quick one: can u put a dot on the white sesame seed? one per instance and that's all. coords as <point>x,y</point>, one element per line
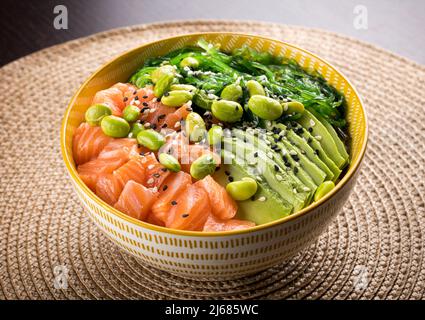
<point>293,153</point>
<point>312,123</point>
<point>279,177</point>
<point>147,125</point>
<point>306,189</point>
<point>259,178</point>
<point>284,152</point>
<point>177,125</point>
<point>151,166</point>
<point>189,103</point>
<point>285,107</point>
<point>318,137</point>
<point>294,190</point>
<point>154,189</point>
<point>262,199</point>
<point>270,154</point>
<point>137,102</point>
<point>152,110</point>
<point>150,181</point>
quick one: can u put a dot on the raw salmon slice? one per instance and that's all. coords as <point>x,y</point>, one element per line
<point>177,116</point>
<point>113,98</point>
<point>173,187</point>
<point>191,210</point>
<point>116,153</point>
<point>193,152</point>
<point>222,204</point>
<point>136,200</point>
<point>88,142</point>
<point>213,224</point>
<point>155,112</point>
<point>110,186</point>
<point>155,173</point>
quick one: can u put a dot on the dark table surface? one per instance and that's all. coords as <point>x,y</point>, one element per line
<point>27,26</point>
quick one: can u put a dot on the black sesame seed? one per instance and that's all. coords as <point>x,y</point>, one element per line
<point>185,215</point>
<point>316,152</point>
<point>153,126</point>
<point>158,99</point>
<point>173,203</point>
<point>145,104</point>
<point>227,173</point>
<point>164,169</point>
<point>309,140</point>
<point>295,157</point>
<point>161,116</point>
<point>156,175</point>
<point>166,94</point>
<point>135,92</point>
<point>276,167</point>
<point>125,99</point>
<point>295,170</point>
<point>136,98</point>
<point>165,187</point>
<point>230,178</point>
<point>145,97</point>
<point>164,125</point>
<point>255,154</point>
<point>310,129</point>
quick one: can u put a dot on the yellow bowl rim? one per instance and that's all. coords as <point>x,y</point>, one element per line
<point>75,177</point>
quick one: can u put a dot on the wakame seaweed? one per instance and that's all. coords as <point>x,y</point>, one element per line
<point>281,78</point>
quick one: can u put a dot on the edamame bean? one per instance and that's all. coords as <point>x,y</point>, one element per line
<point>115,127</point>
<point>215,134</point>
<point>135,129</point>
<point>163,84</point>
<point>176,98</point>
<point>195,127</point>
<point>255,88</point>
<point>243,189</point>
<point>293,107</point>
<point>96,113</point>
<point>264,107</point>
<point>323,189</point>
<point>150,139</point>
<point>160,71</point>
<point>232,92</point>
<point>202,166</point>
<point>185,87</point>
<point>131,113</point>
<point>190,62</point>
<point>227,111</point>
<point>169,162</point>
<point>201,100</point>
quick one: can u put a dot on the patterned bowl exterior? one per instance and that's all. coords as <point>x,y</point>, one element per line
<point>223,254</point>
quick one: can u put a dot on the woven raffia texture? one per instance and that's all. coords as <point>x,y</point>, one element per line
<point>374,249</point>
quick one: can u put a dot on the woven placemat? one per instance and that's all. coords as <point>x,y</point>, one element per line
<point>374,249</point>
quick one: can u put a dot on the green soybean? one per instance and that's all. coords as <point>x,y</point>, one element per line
<point>293,107</point>
<point>255,88</point>
<point>169,162</point>
<point>160,71</point>
<point>135,129</point>
<point>202,167</point>
<point>190,62</point>
<point>227,111</point>
<point>232,92</point>
<point>323,189</point>
<point>201,100</point>
<point>131,113</point>
<point>163,84</point>
<point>265,107</point>
<point>176,98</point>
<point>243,189</point>
<point>215,134</point>
<point>96,113</point>
<point>150,139</point>
<point>185,87</point>
<point>195,127</point>
<point>114,126</point>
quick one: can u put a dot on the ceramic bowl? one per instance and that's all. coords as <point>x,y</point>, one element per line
<point>221,254</point>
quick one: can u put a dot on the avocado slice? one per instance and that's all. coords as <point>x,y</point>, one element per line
<point>340,145</point>
<point>288,187</point>
<point>298,143</point>
<point>255,209</point>
<point>300,173</point>
<point>319,131</point>
<point>317,147</point>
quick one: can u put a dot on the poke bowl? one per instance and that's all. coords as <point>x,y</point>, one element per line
<point>214,155</point>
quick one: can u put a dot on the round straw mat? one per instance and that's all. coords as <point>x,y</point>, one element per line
<point>374,249</point>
